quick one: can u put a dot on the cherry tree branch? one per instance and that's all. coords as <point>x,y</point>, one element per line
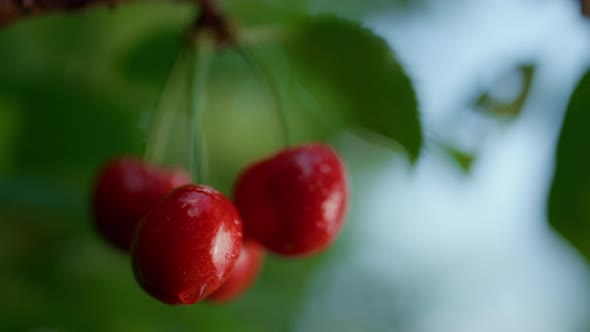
<point>12,11</point>
<point>586,7</point>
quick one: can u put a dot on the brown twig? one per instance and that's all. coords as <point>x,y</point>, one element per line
<point>210,17</point>
<point>586,7</point>
<point>12,11</point>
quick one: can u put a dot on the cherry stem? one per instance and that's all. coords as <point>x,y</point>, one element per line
<point>164,116</point>
<point>199,69</point>
<point>211,18</point>
<point>266,78</point>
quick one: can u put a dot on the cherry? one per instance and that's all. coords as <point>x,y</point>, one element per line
<point>244,274</point>
<point>294,202</point>
<point>126,189</point>
<point>187,245</point>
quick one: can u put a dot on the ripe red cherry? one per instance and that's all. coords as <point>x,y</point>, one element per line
<point>244,274</point>
<point>126,189</point>
<point>187,245</point>
<point>294,202</point>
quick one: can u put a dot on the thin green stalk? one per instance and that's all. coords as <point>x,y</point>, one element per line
<point>265,77</point>
<point>164,115</point>
<point>199,69</point>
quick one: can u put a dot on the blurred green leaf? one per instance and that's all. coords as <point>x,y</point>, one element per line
<point>151,59</point>
<point>463,159</point>
<point>511,108</point>
<point>69,126</point>
<point>569,198</point>
<point>363,82</point>
<point>279,11</point>
<point>10,130</point>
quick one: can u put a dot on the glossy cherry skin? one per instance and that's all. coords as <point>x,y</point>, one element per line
<point>244,274</point>
<point>294,203</point>
<point>187,245</point>
<point>126,189</point>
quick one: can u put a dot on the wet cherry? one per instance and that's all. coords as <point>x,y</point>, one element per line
<point>126,189</point>
<point>244,274</point>
<point>187,245</point>
<point>294,202</point>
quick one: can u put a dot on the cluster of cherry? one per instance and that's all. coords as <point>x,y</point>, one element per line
<point>189,242</point>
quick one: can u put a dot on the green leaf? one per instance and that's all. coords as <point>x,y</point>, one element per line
<point>569,198</point>
<point>282,11</point>
<point>509,109</point>
<point>463,159</point>
<point>354,76</point>
<point>68,125</point>
<point>151,59</point>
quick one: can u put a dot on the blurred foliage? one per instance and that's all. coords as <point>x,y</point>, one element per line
<point>508,108</point>
<point>366,80</point>
<point>75,91</point>
<point>569,198</point>
<point>463,159</point>
<point>264,11</point>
